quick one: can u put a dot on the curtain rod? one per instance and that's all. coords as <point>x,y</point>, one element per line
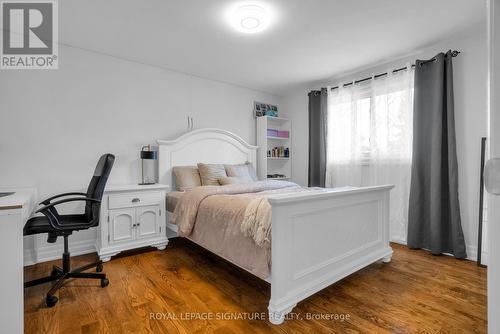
<point>453,54</point>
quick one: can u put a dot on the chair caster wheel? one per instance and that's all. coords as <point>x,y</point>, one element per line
<point>98,268</point>
<point>104,282</point>
<point>51,300</point>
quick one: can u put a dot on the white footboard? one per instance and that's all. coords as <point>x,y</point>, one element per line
<point>320,238</point>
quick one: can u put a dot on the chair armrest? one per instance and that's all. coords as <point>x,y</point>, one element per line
<point>67,200</point>
<point>48,200</point>
<point>51,213</point>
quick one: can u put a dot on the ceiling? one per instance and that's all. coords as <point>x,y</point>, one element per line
<point>309,41</point>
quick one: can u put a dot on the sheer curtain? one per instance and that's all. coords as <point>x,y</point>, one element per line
<point>369,139</point>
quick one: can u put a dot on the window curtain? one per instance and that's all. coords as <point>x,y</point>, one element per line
<point>434,217</point>
<point>318,107</point>
<point>369,140</point>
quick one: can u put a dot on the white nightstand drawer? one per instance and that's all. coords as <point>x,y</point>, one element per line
<point>133,200</point>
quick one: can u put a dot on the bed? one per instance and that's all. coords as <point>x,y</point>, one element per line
<point>317,237</point>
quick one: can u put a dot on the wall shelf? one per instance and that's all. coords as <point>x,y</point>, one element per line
<point>277,138</point>
<point>265,164</point>
<point>277,119</point>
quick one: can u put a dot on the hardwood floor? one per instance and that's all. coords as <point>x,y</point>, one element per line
<point>157,292</point>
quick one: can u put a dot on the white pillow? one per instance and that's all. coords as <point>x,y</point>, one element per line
<point>211,173</point>
<point>245,170</point>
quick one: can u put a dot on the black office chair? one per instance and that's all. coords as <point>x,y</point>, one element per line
<point>57,225</point>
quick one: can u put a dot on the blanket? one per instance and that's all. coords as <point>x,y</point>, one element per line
<point>186,211</point>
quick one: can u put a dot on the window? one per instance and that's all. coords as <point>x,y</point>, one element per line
<point>369,140</point>
<point>370,123</point>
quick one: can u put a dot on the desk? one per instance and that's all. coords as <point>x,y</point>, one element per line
<point>14,211</point>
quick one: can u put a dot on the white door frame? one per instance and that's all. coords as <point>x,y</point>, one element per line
<point>494,151</point>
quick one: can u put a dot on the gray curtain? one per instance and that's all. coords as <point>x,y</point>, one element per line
<point>317,137</point>
<point>434,210</point>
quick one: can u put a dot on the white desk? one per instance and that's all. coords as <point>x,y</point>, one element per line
<point>14,211</point>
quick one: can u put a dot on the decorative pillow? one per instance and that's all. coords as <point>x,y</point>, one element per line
<point>211,173</point>
<point>245,170</point>
<point>233,180</point>
<point>186,177</point>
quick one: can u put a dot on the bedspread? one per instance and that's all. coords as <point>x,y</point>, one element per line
<point>232,221</point>
<point>186,212</point>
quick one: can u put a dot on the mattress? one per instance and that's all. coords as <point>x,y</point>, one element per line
<point>172,200</point>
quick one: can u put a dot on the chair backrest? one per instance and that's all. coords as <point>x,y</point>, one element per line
<point>97,185</point>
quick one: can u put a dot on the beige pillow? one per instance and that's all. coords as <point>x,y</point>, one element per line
<point>245,170</point>
<point>211,173</point>
<point>186,177</point>
<point>233,180</point>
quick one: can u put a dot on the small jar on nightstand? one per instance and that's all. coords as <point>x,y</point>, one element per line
<point>132,216</point>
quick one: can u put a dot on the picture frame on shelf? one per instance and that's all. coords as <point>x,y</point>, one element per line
<point>264,109</point>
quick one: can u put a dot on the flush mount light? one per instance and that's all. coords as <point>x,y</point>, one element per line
<point>249,17</point>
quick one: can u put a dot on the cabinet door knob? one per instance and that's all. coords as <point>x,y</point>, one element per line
<point>136,200</point>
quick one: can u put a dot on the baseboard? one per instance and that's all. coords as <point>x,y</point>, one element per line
<point>172,231</point>
<point>484,258</point>
<point>29,257</point>
<point>399,241</point>
<point>471,251</point>
<point>54,251</point>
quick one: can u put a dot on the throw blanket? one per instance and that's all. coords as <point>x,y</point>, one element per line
<point>258,215</point>
<point>257,219</point>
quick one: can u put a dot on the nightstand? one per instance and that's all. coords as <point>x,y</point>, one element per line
<point>132,216</point>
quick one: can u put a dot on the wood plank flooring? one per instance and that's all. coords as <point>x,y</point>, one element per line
<point>157,292</point>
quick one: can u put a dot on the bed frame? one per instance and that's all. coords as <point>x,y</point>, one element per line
<point>317,238</point>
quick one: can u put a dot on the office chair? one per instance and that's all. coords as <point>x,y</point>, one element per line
<point>57,225</point>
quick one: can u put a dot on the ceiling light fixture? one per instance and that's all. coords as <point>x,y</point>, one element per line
<point>249,17</point>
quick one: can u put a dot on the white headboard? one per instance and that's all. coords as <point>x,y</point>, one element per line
<point>213,146</point>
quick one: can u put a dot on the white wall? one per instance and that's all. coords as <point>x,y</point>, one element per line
<point>470,69</point>
<point>494,212</point>
<point>55,124</point>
